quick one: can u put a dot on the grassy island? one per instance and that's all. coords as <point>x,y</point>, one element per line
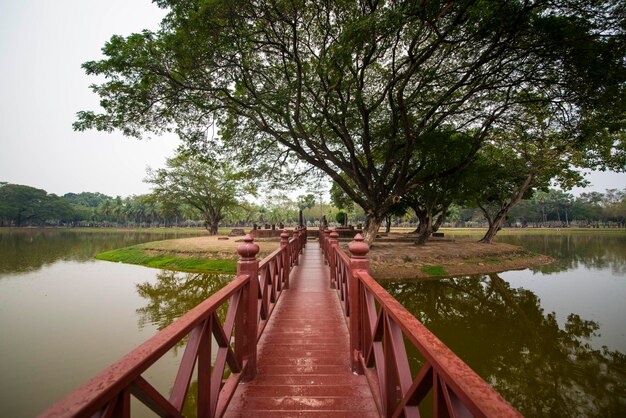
<point>394,257</point>
<point>198,254</point>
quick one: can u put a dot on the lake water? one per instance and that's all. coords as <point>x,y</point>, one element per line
<point>550,339</point>
<point>65,316</point>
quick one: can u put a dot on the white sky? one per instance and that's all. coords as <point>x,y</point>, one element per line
<point>42,45</point>
<point>42,86</point>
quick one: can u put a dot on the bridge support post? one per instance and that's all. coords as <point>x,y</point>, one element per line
<point>246,318</point>
<point>286,260</point>
<point>331,259</point>
<point>358,261</point>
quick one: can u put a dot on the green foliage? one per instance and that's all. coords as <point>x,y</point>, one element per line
<point>362,91</point>
<point>306,201</point>
<point>24,205</point>
<point>209,185</point>
<point>340,217</point>
<point>434,271</point>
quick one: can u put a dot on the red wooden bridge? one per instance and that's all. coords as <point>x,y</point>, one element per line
<point>307,332</point>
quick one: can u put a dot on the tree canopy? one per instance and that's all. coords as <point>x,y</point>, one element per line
<point>359,90</point>
<point>211,186</point>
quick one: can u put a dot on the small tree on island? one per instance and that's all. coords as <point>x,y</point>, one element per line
<point>211,186</point>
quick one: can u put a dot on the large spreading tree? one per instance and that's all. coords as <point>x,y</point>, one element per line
<point>356,89</point>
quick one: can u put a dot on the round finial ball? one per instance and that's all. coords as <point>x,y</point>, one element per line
<point>334,235</point>
<point>284,235</point>
<point>248,249</point>
<point>358,248</point>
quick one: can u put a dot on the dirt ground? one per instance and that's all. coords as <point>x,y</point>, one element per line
<point>211,247</point>
<point>441,257</point>
<point>393,257</point>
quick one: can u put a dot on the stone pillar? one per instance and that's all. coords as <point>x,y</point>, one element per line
<point>247,315</point>
<point>358,261</point>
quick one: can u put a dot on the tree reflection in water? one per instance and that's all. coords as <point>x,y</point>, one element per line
<point>171,296</point>
<point>592,251</point>
<point>507,338</point>
<point>176,293</point>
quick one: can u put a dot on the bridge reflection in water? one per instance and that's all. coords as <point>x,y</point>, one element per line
<point>291,336</point>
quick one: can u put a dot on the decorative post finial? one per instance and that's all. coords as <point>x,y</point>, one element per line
<point>248,249</point>
<point>359,248</point>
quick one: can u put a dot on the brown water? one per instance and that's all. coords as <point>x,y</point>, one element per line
<point>537,335</point>
<point>65,316</point>
<point>552,339</point>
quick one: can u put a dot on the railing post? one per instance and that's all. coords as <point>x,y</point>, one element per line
<point>326,243</point>
<point>296,236</point>
<point>284,243</point>
<point>358,261</point>
<point>331,260</point>
<point>321,238</point>
<point>246,320</point>
<point>305,233</point>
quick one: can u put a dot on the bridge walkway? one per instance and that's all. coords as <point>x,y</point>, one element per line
<point>303,355</point>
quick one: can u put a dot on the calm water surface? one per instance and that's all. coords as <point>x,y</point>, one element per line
<point>65,316</point>
<point>551,339</point>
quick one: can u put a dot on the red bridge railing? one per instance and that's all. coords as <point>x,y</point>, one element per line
<point>379,329</point>
<point>109,393</point>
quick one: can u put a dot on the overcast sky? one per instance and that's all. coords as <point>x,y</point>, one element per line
<point>42,45</point>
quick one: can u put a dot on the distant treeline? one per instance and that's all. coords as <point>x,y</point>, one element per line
<point>556,208</point>
<point>27,206</point>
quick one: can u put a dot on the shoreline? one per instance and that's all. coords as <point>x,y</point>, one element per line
<point>389,260</point>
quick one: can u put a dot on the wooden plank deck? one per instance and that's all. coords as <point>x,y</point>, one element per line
<point>303,355</point>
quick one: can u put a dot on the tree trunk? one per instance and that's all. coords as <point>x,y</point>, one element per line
<point>371,229</point>
<point>439,221</point>
<point>496,223</point>
<point>494,227</point>
<point>388,224</point>
<point>426,230</point>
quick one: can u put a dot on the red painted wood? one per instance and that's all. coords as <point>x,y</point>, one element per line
<point>303,361</point>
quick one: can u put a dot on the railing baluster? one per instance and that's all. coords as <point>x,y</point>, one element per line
<point>122,404</point>
<point>150,397</point>
<point>187,364</point>
<point>418,390</point>
<point>204,372</point>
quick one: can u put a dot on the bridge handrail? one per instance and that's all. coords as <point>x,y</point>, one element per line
<point>379,326</point>
<point>108,393</point>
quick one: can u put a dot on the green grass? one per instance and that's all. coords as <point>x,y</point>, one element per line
<point>533,231</point>
<point>434,270</point>
<point>136,255</point>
